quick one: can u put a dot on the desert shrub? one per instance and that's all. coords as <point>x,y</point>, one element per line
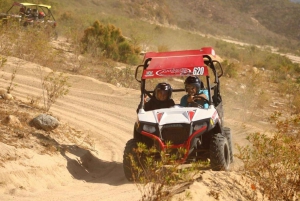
<point>297,68</point>
<point>296,100</point>
<point>66,16</point>
<point>261,58</point>
<point>2,61</point>
<point>272,160</point>
<point>158,179</point>
<point>109,40</point>
<point>296,103</point>
<point>54,86</point>
<point>30,44</point>
<point>12,79</point>
<point>230,68</point>
<point>228,50</point>
<point>287,89</point>
<point>121,77</point>
<point>263,99</point>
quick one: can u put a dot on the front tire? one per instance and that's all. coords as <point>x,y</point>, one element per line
<point>130,171</point>
<point>227,132</point>
<point>219,152</point>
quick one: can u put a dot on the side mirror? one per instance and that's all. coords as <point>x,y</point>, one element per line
<point>218,67</point>
<point>138,73</point>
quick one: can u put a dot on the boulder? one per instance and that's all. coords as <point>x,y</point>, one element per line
<point>45,122</point>
<point>7,96</point>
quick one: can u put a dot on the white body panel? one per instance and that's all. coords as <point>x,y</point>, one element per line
<point>177,115</point>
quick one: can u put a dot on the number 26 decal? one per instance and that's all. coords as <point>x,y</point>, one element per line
<point>198,71</point>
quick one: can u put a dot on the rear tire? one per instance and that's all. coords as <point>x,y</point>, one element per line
<point>219,152</point>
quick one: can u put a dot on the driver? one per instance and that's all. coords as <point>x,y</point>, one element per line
<point>161,98</point>
<point>196,95</point>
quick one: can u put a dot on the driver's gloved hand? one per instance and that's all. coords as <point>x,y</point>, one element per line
<point>199,97</point>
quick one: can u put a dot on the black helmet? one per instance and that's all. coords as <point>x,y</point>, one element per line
<point>195,81</point>
<point>28,11</point>
<point>163,87</point>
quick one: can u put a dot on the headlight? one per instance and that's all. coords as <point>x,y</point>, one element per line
<point>149,129</point>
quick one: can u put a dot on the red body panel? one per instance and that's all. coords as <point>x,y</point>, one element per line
<point>175,66</point>
<point>177,63</point>
<point>202,51</point>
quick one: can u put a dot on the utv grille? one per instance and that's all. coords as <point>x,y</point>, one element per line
<point>175,133</point>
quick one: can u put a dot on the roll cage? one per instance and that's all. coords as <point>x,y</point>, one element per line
<point>180,63</point>
<point>45,8</point>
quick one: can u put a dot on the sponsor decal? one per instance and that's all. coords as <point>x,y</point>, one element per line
<point>180,71</point>
<point>215,116</point>
<point>149,73</point>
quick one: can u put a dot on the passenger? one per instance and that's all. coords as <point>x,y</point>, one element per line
<point>161,98</point>
<point>196,94</point>
<point>28,12</point>
<point>35,14</point>
<point>22,11</point>
<point>41,15</point>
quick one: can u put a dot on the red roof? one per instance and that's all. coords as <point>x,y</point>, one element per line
<point>177,63</point>
<point>202,51</point>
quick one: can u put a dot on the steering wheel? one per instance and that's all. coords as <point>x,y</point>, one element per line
<point>196,104</point>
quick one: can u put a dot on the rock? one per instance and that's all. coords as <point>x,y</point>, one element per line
<point>7,96</point>
<point>45,122</point>
<point>12,120</point>
<point>255,70</point>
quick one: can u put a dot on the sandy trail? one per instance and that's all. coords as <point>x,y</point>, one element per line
<point>108,114</point>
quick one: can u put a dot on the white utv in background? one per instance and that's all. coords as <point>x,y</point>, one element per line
<point>199,131</point>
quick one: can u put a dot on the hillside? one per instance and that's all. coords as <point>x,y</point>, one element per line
<point>257,22</point>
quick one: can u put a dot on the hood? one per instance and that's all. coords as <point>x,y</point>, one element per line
<point>176,115</point>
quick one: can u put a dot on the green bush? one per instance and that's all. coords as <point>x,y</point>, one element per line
<point>272,160</point>
<point>230,69</point>
<point>157,179</point>
<point>109,40</point>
